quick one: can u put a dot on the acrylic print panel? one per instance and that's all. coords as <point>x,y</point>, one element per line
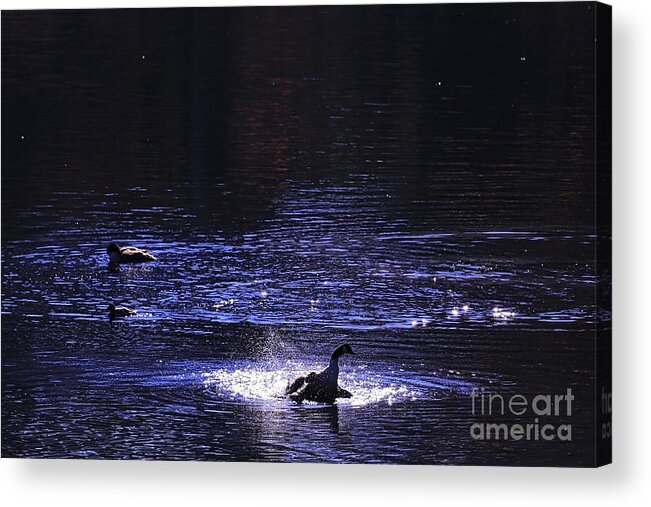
<point>403,200</point>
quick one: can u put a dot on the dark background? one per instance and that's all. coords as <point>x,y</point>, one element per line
<point>251,97</point>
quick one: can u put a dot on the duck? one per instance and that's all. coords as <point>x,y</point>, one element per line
<point>127,255</point>
<point>321,387</point>
<point>119,311</point>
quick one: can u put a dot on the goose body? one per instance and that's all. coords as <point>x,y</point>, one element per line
<point>119,311</point>
<point>127,255</point>
<point>321,387</point>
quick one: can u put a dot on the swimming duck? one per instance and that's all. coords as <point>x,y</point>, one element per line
<point>119,311</point>
<point>321,387</point>
<point>127,255</point>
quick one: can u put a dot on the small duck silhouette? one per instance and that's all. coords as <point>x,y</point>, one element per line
<point>119,311</point>
<point>127,255</point>
<point>322,387</point>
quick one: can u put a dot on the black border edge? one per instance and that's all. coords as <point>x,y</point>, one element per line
<point>603,226</point>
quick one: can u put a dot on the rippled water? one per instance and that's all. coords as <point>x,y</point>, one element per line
<point>405,206</point>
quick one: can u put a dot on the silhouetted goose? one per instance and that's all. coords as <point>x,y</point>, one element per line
<point>127,255</point>
<point>321,387</point>
<point>119,311</point>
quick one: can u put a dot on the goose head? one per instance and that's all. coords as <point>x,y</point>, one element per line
<point>341,350</point>
<point>112,248</point>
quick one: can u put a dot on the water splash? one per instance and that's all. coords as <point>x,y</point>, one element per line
<point>266,383</point>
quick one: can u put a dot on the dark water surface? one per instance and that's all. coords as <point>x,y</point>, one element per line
<point>416,181</point>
